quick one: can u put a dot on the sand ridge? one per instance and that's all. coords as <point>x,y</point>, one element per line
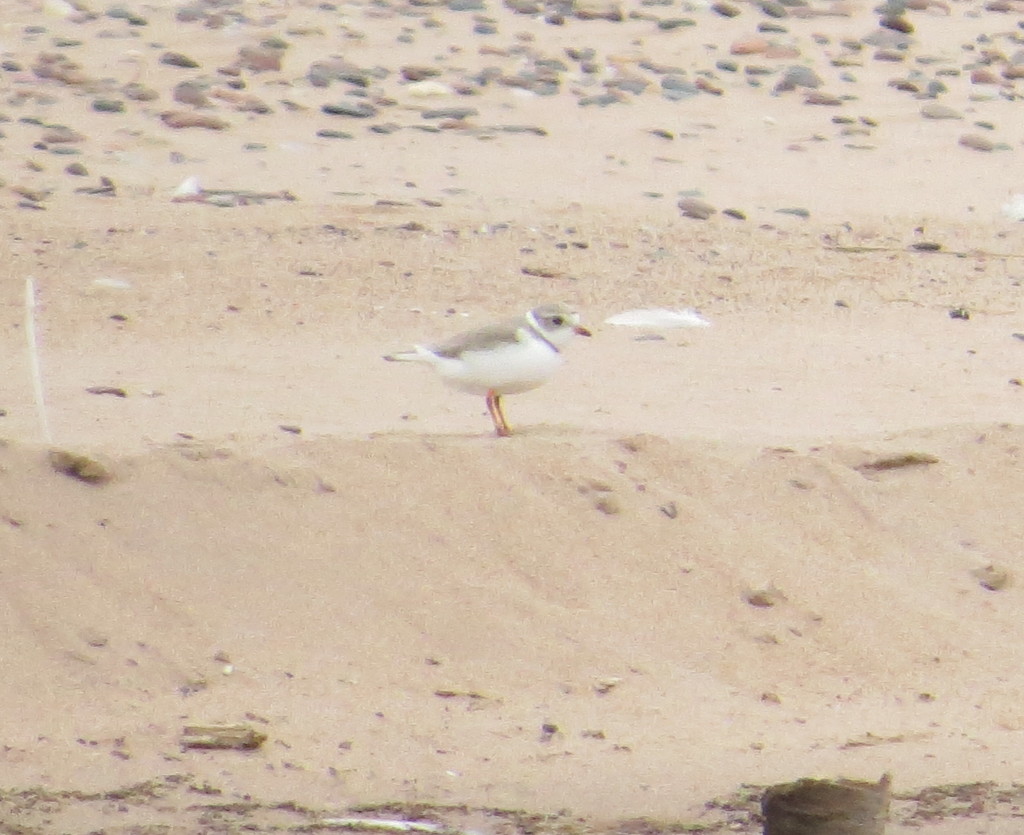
<point>782,546</point>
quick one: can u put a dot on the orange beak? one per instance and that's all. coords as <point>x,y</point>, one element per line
<point>582,331</point>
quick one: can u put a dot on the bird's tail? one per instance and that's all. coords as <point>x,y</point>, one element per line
<point>417,354</point>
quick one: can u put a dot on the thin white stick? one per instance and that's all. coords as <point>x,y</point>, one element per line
<point>392,825</point>
<point>33,357</point>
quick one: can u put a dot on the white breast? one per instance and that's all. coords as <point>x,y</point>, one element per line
<point>507,369</point>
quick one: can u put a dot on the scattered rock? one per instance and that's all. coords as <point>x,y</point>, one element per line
<point>823,99</point>
<point>695,208</point>
<point>177,59</point>
<point>749,46</point>
<point>353,108</point>
<point>81,467</point>
<point>116,391</point>
<point>192,93</point>
<point>608,505</point>
<point>764,598</point>
<point>263,58</point>
<point>108,106</point>
<point>934,110</point>
<point>183,119</point>
<point>139,92</point>
<point>977,142</point>
<point>58,134</point>
<point>725,9</point>
<point>798,76</point>
<point>992,577</point>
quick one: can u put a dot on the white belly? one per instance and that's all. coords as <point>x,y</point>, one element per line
<point>510,369</point>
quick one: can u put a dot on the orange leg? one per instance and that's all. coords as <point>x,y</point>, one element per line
<point>501,426</point>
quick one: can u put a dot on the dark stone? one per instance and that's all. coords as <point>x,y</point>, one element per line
<point>355,109</point>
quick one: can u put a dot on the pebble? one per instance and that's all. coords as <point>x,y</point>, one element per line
<point>183,119</point>
<point>326,133</point>
<point>676,88</point>
<point>897,24</point>
<point>76,169</point>
<point>773,9</point>
<point>191,93</point>
<point>725,9</point>
<point>601,100</point>
<point>675,23</point>
<point>177,59</point>
<point>817,97</point>
<point>108,106</point>
<point>355,109</point>
<point>628,84</point>
<point>134,91</point>
<point>457,113</point>
<point>977,142</point>
<point>891,55</point>
<point>798,76</point>
<point>598,10</point>
<point>418,72</point>
<point>263,58</point>
<point>983,75</point>
<point>56,134</point>
<point>934,110</point>
<point>749,46</point>
<point>694,207</point>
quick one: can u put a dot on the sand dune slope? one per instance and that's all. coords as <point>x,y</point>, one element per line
<point>577,622</point>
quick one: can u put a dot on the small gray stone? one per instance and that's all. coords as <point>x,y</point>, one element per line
<point>139,92</point>
<point>628,84</point>
<point>694,207</point>
<point>977,142</point>
<point>108,106</point>
<point>797,76</point>
<point>177,59</point>
<point>457,113</point>
<point>934,110</point>
<point>725,9</point>
<point>671,23</point>
<point>773,9</point>
<point>355,109</point>
<point>600,100</point>
<point>326,133</point>
<point>676,88</point>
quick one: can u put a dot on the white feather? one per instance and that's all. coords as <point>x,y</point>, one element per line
<point>659,317</point>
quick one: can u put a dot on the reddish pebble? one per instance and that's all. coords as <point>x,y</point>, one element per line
<point>749,46</point>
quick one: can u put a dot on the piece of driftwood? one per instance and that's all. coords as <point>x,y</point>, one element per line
<point>827,807</point>
<point>237,737</point>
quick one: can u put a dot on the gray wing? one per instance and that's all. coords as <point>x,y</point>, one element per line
<point>490,336</point>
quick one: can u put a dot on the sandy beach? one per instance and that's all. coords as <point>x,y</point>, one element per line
<point>710,559</point>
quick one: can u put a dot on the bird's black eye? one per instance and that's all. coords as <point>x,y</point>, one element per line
<point>557,321</point>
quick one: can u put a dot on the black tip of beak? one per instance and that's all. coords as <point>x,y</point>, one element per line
<point>582,331</point>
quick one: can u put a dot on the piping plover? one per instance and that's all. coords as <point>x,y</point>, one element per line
<point>505,358</point>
